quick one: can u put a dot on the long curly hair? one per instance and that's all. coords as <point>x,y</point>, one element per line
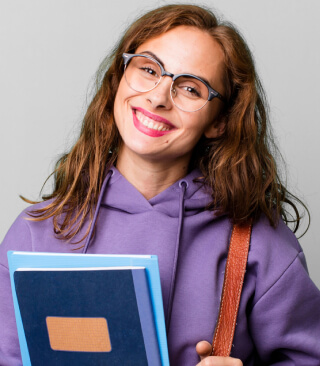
<point>239,166</point>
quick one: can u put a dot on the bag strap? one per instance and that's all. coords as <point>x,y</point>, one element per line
<point>232,287</point>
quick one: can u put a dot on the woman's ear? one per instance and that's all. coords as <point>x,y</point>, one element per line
<point>214,131</point>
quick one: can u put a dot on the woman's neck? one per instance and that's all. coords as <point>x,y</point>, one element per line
<point>150,177</point>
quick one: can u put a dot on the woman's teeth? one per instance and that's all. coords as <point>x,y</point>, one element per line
<point>150,123</point>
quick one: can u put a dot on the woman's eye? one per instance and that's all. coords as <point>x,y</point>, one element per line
<point>191,91</point>
<point>149,70</point>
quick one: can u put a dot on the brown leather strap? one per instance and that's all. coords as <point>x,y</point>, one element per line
<point>231,292</point>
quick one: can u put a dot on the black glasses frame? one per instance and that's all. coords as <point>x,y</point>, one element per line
<point>211,95</point>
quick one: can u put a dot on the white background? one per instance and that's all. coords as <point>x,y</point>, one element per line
<point>50,51</point>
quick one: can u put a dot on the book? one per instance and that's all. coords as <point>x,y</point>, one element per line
<point>88,309</point>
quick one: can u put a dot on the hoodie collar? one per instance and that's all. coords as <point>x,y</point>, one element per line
<point>122,195</point>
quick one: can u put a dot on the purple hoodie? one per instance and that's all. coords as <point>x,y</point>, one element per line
<point>279,314</point>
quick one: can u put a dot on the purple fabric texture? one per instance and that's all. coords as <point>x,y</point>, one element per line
<point>279,314</point>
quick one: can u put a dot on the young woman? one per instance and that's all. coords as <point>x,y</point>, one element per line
<point>175,149</point>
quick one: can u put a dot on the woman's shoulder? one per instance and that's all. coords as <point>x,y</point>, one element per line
<point>18,237</point>
<point>273,240</point>
<point>26,234</point>
<point>273,250</point>
<point>27,220</point>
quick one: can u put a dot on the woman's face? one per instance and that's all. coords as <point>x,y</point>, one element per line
<point>181,50</point>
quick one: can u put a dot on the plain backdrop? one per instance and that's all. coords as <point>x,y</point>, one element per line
<point>50,50</point>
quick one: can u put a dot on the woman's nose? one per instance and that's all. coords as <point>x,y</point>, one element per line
<point>159,97</point>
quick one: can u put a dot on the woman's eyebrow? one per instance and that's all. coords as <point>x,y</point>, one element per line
<point>153,56</point>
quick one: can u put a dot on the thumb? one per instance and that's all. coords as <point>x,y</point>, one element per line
<point>204,349</point>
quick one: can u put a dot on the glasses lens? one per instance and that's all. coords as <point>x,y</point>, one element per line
<point>142,74</point>
<point>189,93</point>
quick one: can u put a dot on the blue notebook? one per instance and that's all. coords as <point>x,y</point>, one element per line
<point>74,309</point>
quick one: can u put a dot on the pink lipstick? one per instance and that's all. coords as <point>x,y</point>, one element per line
<point>150,124</point>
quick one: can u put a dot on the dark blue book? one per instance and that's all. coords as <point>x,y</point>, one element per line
<point>97,315</point>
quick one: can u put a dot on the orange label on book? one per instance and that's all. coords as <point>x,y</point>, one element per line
<point>78,334</point>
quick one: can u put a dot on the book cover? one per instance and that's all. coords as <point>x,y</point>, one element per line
<point>88,309</point>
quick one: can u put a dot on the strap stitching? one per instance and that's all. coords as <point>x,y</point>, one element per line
<point>243,262</point>
<point>243,265</point>
<point>223,292</point>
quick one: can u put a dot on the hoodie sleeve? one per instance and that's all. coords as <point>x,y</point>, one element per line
<point>285,321</point>
<point>17,238</point>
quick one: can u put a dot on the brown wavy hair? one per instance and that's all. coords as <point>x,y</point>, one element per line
<point>239,166</point>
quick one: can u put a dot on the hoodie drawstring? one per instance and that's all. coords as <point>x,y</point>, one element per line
<point>183,185</point>
<point>104,185</point>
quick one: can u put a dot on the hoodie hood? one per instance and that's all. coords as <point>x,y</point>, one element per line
<point>195,197</point>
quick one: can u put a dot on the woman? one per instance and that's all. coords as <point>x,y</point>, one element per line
<point>173,151</point>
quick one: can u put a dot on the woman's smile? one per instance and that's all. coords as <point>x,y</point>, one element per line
<point>150,124</point>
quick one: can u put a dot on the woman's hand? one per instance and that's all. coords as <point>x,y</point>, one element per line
<point>204,350</point>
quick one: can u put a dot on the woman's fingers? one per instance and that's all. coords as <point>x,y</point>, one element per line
<point>204,350</point>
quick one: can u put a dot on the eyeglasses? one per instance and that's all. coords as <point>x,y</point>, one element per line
<point>188,92</point>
